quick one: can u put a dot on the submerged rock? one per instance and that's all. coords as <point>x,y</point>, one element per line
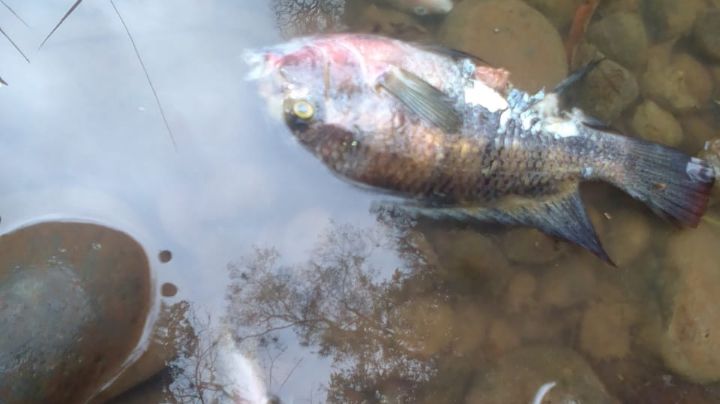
<point>388,22</point>
<point>706,34</point>
<point>171,333</point>
<point>559,12</point>
<point>627,236</point>
<point>613,6</point>
<point>657,125</point>
<point>698,79</point>
<point>669,19</point>
<point>569,283</point>
<point>692,328</point>
<point>667,84</point>
<point>73,303</point>
<point>607,91</point>
<point>531,246</point>
<point>711,153</point>
<point>698,129</point>
<point>519,376</point>
<point>621,37</point>
<point>605,330</point>
<point>508,34</point>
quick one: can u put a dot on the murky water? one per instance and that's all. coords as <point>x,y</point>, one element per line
<point>270,277</point>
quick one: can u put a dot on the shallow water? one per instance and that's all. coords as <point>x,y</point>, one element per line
<point>282,280</point>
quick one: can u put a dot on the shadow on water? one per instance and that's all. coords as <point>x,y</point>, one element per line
<point>271,280</point>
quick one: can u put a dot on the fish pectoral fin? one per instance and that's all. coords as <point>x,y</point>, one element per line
<point>422,98</point>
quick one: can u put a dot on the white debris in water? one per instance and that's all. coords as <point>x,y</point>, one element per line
<point>484,96</point>
<point>542,392</point>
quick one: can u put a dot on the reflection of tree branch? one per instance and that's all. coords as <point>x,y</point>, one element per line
<point>290,374</point>
<point>337,301</point>
<point>298,17</point>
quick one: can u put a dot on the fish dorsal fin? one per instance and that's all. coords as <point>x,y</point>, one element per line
<point>563,217</point>
<point>422,98</point>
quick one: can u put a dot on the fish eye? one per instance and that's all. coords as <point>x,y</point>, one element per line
<point>303,110</point>
<point>420,10</point>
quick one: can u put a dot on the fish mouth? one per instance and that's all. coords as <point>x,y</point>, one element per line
<point>259,62</point>
<point>263,68</point>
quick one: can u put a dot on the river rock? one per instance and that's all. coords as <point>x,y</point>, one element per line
<point>698,129</point>
<point>519,376</point>
<point>521,292</point>
<point>171,331</point>
<point>667,84</point>
<point>531,246</point>
<point>698,78</point>
<point>569,283</point>
<point>706,34</point>
<point>605,329</point>
<point>607,91</point>
<point>508,34</point>
<point>621,37</point>
<point>653,123</point>
<point>73,303</point>
<point>559,12</point>
<point>613,6</point>
<point>668,19</point>
<point>388,22</point>
<point>692,328</point>
<point>711,153</point>
<point>627,236</point>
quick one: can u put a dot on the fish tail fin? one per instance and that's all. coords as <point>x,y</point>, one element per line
<point>674,185</point>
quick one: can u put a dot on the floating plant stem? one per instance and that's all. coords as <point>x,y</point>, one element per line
<point>147,75</point>
<point>14,13</point>
<point>14,44</point>
<point>67,14</point>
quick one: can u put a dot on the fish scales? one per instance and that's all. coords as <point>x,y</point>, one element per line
<point>455,139</point>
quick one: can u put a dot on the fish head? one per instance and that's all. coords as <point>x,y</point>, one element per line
<point>312,83</point>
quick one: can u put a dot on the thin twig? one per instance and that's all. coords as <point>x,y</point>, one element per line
<point>14,13</point>
<point>14,44</point>
<point>290,374</point>
<point>67,14</point>
<point>147,76</point>
<point>3,82</point>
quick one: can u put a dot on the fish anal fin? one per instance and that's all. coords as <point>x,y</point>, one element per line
<point>422,98</point>
<point>563,217</point>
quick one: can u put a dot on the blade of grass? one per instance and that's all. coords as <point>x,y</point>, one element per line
<point>14,13</point>
<point>14,44</point>
<point>147,75</point>
<point>67,14</point>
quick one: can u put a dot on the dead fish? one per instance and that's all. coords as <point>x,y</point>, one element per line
<point>422,7</point>
<point>456,140</point>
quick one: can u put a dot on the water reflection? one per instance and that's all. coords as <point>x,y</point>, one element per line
<point>303,17</point>
<point>335,303</point>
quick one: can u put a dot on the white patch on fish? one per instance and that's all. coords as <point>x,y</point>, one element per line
<point>698,170</point>
<point>258,66</point>
<point>562,129</point>
<point>542,392</point>
<point>484,96</point>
